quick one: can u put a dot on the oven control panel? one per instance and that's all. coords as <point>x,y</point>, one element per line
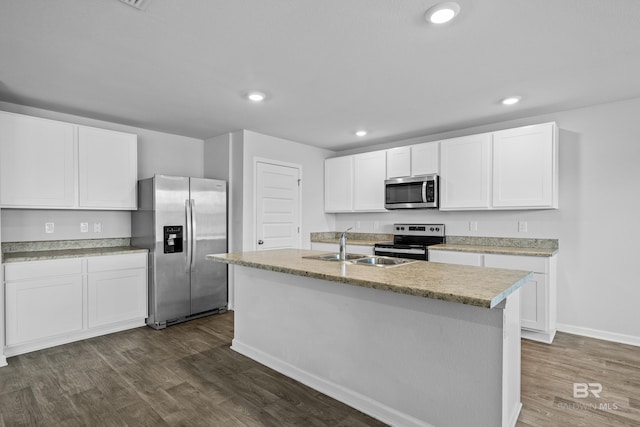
<point>418,229</point>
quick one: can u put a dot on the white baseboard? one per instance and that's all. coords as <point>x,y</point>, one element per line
<point>41,344</point>
<point>545,337</point>
<point>598,334</point>
<point>349,397</point>
<point>514,417</point>
<point>3,361</point>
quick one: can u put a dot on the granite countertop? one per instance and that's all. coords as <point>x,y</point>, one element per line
<point>500,246</point>
<point>501,250</point>
<point>477,286</point>
<point>358,239</point>
<point>39,251</point>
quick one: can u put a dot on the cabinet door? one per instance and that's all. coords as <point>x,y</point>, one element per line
<point>108,168</point>
<point>533,307</point>
<point>399,162</point>
<point>338,184</point>
<point>115,296</point>
<point>524,162</point>
<point>465,174</point>
<point>462,258</point>
<point>37,162</point>
<point>369,175</point>
<point>42,308</point>
<point>533,294</point>
<point>425,158</point>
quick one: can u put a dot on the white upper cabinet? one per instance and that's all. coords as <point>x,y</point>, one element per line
<point>355,183</point>
<point>425,158</point>
<point>465,172</point>
<point>413,160</point>
<point>525,167</point>
<point>369,175</point>
<point>55,165</point>
<point>107,168</point>
<point>338,184</point>
<point>509,169</point>
<point>398,162</point>
<point>37,159</point>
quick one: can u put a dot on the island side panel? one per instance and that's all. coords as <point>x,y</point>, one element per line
<point>403,359</point>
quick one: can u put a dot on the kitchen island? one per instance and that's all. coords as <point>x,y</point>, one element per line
<point>416,344</point>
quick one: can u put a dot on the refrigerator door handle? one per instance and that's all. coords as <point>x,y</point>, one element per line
<point>194,233</point>
<point>187,235</point>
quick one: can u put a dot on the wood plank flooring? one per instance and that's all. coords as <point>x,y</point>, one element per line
<point>549,372</point>
<point>186,375</point>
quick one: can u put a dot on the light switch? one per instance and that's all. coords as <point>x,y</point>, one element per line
<point>97,227</point>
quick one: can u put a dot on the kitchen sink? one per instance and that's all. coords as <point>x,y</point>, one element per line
<point>381,261</point>
<point>378,261</point>
<point>335,257</point>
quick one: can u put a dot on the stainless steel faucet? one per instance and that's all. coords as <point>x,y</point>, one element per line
<point>343,245</point>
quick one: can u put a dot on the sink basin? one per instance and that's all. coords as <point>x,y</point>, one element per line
<point>335,257</point>
<point>381,261</point>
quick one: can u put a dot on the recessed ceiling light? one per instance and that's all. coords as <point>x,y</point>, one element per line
<point>361,133</point>
<point>511,100</point>
<point>256,96</point>
<point>442,12</point>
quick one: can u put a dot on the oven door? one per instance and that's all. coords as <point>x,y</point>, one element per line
<point>401,251</point>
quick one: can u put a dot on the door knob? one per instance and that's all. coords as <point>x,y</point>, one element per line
<point>260,242</point>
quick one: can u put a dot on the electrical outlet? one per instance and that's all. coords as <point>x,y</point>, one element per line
<point>357,225</point>
<point>49,227</point>
<point>97,227</point>
<point>84,227</point>
<point>522,226</point>
<point>473,225</point>
<point>376,225</point>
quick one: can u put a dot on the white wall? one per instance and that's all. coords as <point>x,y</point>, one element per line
<point>598,283</point>
<point>311,160</point>
<point>158,152</point>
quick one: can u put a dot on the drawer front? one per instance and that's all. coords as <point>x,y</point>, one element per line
<point>36,269</point>
<point>116,262</point>
<point>462,258</point>
<point>516,262</point>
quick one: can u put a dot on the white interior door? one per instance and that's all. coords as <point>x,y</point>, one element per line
<point>277,206</point>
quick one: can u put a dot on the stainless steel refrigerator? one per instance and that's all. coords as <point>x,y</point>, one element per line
<point>180,220</point>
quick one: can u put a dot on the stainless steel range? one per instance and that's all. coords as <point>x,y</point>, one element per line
<point>412,241</point>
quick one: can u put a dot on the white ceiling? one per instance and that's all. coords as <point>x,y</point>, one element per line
<point>329,66</point>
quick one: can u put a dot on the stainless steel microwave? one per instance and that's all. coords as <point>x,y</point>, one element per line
<point>412,192</point>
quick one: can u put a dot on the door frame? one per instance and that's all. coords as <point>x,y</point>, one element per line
<point>257,160</point>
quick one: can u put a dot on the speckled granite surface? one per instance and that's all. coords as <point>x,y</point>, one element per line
<point>500,245</point>
<point>478,286</point>
<point>361,239</point>
<point>56,249</point>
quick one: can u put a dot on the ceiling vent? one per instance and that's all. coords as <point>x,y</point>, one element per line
<point>138,4</point>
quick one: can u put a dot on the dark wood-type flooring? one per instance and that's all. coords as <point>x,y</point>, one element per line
<point>187,375</point>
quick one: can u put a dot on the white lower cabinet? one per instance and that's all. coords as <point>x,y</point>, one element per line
<point>537,296</point>
<point>42,308</point>
<point>115,294</point>
<point>53,302</point>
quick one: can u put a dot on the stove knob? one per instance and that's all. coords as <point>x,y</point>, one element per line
<point>431,229</point>
<point>437,228</point>
<point>402,228</point>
